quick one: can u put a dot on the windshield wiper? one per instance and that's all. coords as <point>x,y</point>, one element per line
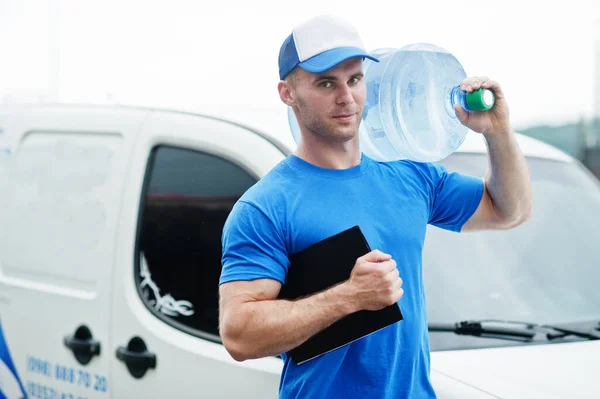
<point>477,328</point>
<point>564,332</point>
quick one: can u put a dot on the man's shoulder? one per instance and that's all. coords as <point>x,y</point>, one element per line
<point>278,183</point>
<point>409,169</point>
<point>264,205</point>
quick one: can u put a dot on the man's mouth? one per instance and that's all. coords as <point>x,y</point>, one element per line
<point>344,117</point>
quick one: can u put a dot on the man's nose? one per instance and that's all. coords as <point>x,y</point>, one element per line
<point>344,95</point>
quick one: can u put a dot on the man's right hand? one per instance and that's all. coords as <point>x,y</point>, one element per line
<point>375,281</point>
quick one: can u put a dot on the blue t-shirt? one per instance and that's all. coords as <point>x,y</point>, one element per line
<point>298,204</point>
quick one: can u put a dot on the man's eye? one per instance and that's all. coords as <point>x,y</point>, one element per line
<point>355,80</point>
<point>325,84</point>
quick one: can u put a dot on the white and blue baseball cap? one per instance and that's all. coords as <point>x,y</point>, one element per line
<point>320,44</point>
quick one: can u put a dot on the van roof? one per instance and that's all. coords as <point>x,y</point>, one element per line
<point>272,123</point>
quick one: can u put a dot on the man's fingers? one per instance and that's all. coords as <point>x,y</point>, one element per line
<point>461,114</point>
<point>495,86</point>
<point>475,82</point>
<point>376,256</point>
<point>384,258</point>
<point>387,268</point>
<point>392,266</point>
<point>397,284</point>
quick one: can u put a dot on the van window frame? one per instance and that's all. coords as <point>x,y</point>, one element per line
<point>150,162</point>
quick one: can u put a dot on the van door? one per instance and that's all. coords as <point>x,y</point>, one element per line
<point>58,221</point>
<point>185,175</point>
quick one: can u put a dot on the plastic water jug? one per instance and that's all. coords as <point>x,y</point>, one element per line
<point>408,112</point>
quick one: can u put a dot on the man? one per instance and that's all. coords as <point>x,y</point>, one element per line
<point>328,186</point>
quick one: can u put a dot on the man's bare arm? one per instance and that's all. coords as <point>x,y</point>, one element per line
<point>506,200</point>
<point>253,323</point>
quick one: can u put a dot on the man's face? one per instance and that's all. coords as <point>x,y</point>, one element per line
<point>330,104</point>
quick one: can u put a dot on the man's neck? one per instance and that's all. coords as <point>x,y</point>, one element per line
<point>331,155</point>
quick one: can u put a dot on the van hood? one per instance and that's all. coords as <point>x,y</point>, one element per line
<point>562,370</point>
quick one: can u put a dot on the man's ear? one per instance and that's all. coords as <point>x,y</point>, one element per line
<point>285,93</point>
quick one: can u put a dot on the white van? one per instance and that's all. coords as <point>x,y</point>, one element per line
<point>110,227</point>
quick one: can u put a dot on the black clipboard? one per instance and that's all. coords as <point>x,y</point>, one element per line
<point>321,266</point>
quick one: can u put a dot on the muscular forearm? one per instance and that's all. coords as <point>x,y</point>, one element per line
<point>508,181</point>
<point>270,327</point>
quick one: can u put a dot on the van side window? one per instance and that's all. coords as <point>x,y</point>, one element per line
<point>187,197</point>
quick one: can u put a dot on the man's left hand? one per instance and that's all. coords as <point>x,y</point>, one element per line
<point>491,122</point>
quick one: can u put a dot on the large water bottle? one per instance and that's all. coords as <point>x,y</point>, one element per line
<point>408,112</point>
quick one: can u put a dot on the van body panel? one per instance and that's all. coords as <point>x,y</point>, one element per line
<point>184,362</point>
<point>63,178</point>
<point>554,371</point>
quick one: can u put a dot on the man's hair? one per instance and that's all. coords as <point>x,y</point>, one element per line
<point>291,78</point>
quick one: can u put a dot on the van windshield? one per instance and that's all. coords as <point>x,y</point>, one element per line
<point>544,271</point>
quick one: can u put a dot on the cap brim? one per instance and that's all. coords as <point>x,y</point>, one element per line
<point>330,58</point>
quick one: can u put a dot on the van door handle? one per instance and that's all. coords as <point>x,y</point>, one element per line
<point>82,344</point>
<point>136,357</point>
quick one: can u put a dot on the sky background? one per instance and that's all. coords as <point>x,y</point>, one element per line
<point>196,55</point>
